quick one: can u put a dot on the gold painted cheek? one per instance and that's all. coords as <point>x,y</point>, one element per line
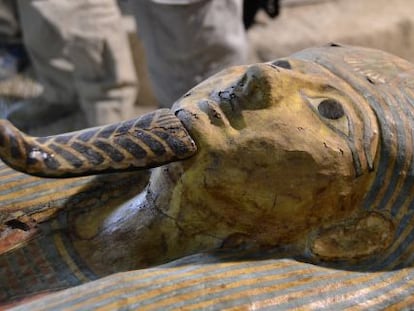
<point>88,225</point>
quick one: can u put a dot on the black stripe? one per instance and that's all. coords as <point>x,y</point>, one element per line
<point>107,131</point>
<point>404,103</point>
<point>15,151</point>
<point>131,147</point>
<point>166,118</point>
<point>177,146</point>
<point>94,157</point>
<point>112,152</point>
<point>151,142</point>
<point>145,121</point>
<point>51,163</point>
<point>168,122</point>
<point>63,139</point>
<point>407,188</point>
<point>125,126</point>
<point>87,135</point>
<point>397,254</point>
<point>63,273</point>
<point>64,222</point>
<point>401,150</point>
<point>72,159</point>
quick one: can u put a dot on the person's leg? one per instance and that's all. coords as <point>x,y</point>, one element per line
<point>185,43</point>
<point>13,56</point>
<point>81,55</point>
<point>104,72</point>
<point>9,24</point>
<point>45,44</point>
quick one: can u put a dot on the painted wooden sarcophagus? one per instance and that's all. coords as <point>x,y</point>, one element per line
<point>286,184</point>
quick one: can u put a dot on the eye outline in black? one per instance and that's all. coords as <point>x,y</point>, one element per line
<point>331,109</point>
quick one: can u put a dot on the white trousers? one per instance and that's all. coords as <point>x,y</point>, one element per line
<point>187,41</point>
<point>81,53</point>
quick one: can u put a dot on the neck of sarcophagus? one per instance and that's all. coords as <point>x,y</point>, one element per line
<point>146,230</point>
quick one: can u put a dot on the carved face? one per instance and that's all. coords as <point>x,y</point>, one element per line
<point>313,153</point>
<point>284,149</point>
<point>288,154</point>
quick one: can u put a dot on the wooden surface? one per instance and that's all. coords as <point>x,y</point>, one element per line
<point>340,234</point>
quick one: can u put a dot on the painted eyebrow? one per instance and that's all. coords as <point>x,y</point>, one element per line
<point>282,63</point>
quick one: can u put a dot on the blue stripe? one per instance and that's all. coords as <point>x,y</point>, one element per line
<point>37,182</point>
<point>17,178</point>
<point>408,185</point>
<point>400,152</point>
<point>223,293</point>
<point>144,285</point>
<point>387,141</point>
<point>405,222</point>
<point>216,282</point>
<point>401,296</point>
<point>62,272</point>
<point>62,219</point>
<point>5,170</point>
<point>341,291</point>
<point>372,294</point>
<point>397,254</point>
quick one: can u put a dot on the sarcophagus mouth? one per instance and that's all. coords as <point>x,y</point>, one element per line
<point>151,140</point>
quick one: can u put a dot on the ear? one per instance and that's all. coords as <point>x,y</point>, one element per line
<point>360,238</point>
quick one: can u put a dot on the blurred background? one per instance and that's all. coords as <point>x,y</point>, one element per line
<point>381,24</point>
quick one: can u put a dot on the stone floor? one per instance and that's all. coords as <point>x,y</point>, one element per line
<point>381,24</point>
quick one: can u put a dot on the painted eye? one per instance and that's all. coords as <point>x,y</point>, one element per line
<point>331,109</point>
<point>332,112</point>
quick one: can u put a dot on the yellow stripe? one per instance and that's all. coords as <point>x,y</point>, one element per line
<point>388,174</point>
<point>145,275</point>
<point>97,286</point>
<point>49,191</point>
<point>360,292</point>
<point>379,299</point>
<point>335,284</point>
<point>46,186</point>
<point>164,289</point>
<point>204,292</point>
<point>251,292</point>
<point>9,171</point>
<point>408,148</point>
<point>407,251</point>
<point>45,199</point>
<point>403,304</point>
<point>19,182</point>
<point>65,255</point>
<point>405,206</point>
